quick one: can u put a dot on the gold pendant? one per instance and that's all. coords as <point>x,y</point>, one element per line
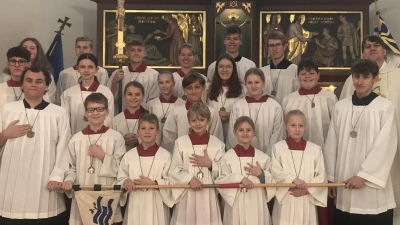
<point>244,190</point>
<point>85,119</point>
<point>273,92</point>
<point>222,109</point>
<point>30,134</point>
<point>200,175</point>
<point>90,170</point>
<point>184,97</point>
<point>353,134</point>
<point>163,119</point>
<point>312,104</point>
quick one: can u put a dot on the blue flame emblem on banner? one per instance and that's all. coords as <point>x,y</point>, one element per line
<point>104,213</point>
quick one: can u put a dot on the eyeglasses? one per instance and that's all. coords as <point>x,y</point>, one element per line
<point>98,109</point>
<point>221,67</point>
<point>275,45</point>
<point>13,62</point>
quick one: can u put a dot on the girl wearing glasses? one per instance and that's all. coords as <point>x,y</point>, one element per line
<point>73,98</point>
<point>225,89</point>
<point>127,122</point>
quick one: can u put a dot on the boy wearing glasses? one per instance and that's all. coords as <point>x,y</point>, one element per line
<point>280,75</point>
<point>10,87</point>
<point>232,42</point>
<point>94,153</point>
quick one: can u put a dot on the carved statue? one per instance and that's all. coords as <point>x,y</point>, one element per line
<point>297,38</point>
<point>120,14</point>
<point>195,37</point>
<point>348,36</point>
<point>325,55</point>
<point>175,33</point>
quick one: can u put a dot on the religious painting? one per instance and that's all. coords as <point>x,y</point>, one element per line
<point>331,38</point>
<point>161,31</point>
<point>239,13</point>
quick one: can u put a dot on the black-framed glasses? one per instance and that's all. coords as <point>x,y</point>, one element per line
<point>98,109</point>
<point>20,62</point>
<point>275,45</point>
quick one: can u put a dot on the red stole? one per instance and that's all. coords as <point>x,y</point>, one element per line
<point>140,69</point>
<point>250,99</point>
<point>151,151</point>
<point>171,99</point>
<point>182,74</point>
<point>88,131</point>
<point>13,83</point>
<point>313,91</point>
<point>199,140</point>
<point>189,104</point>
<point>294,145</point>
<point>133,116</point>
<point>242,152</point>
<point>92,88</point>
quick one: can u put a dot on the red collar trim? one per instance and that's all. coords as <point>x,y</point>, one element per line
<point>136,115</point>
<point>75,67</point>
<point>88,131</point>
<point>13,83</point>
<point>253,100</point>
<point>242,152</point>
<point>151,151</point>
<point>298,146</point>
<point>182,74</point>
<point>189,104</point>
<point>93,87</point>
<point>225,83</point>
<point>199,140</point>
<point>140,69</point>
<point>172,99</point>
<point>313,91</point>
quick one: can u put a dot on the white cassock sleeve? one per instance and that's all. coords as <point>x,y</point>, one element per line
<point>269,179</point>
<point>226,177</point>
<point>166,193</point>
<point>170,132</point>
<point>319,195</point>
<point>230,137</point>
<point>65,103</point>
<point>61,166</point>
<point>110,165</point>
<point>280,175</point>
<point>348,88</point>
<point>60,89</point>
<point>278,131</point>
<point>71,174</point>
<point>123,174</point>
<point>376,167</point>
<point>330,149</point>
<point>52,90</point>
<point>215,127</point>
<point>102,76</point>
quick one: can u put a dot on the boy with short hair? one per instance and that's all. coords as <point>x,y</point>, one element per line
<point>18,59</point>
<point>69,77</point>
<point>195,161</point>
<point>232,42</point>
<point>94,153</point>
<point>176,124</point>
<point>146,164</point>
<point>280,75</point>
<point>359,151</point>
<point>135,71</point>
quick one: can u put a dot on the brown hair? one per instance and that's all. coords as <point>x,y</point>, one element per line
<point>255,71</point>
<point>364,67</point>
<point>243,119</point>
<point>199,109</point>
<point>84,38</point>
<point>134,43</point>
<point>277,35</point>
<point>192,77</point>
<point>96,97</point>
<point>294,112</point>
<point>151,118</point>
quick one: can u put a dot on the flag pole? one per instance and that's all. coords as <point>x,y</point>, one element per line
<point>187,186</point>
<point>120,58</point>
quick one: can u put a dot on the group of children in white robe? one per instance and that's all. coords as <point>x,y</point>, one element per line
<point>167,140</point>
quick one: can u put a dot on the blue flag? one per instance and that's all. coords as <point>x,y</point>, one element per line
<point>55,56</point>
<point>386,36</point>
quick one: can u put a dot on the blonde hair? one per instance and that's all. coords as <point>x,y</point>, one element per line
<point>294,112</point>
<point>243,119</point>
<point>199,109</point>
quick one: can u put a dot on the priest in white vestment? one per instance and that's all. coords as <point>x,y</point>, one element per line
<point>387,87</point>
<point>359,151</point>
<point>34,135</point>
